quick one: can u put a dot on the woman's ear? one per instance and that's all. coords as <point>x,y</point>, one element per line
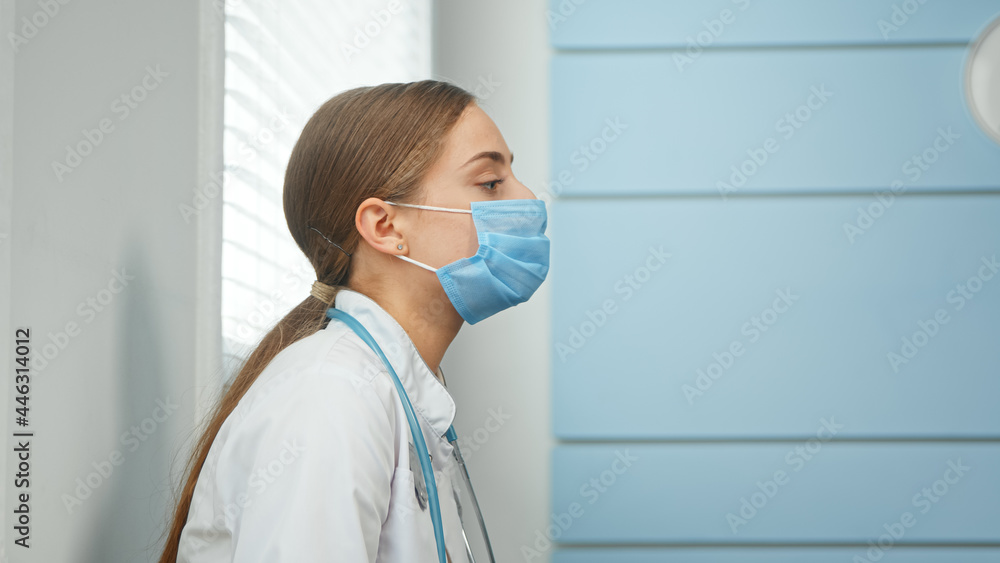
<point>379,225</point>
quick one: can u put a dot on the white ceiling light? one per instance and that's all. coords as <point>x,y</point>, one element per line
<point>982,80</point>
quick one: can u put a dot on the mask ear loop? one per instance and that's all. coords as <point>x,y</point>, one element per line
<point>414,262</point>
<point>430,207</point>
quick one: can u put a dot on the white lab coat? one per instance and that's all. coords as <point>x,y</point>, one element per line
<point>314,463</point>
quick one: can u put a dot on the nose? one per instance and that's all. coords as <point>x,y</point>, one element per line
<point>521,191</point>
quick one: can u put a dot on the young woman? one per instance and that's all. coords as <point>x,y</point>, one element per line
<point>331,445</point>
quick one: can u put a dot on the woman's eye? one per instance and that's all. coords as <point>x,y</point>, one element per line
<point>492,185</point>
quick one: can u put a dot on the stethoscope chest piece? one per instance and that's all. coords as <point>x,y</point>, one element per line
<point>420,485</point>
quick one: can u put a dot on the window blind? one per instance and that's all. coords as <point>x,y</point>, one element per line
<point>282,61</point>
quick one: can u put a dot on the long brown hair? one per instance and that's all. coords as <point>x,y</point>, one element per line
<point>376,141</point>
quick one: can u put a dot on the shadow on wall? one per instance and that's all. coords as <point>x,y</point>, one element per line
<point>131,484</point>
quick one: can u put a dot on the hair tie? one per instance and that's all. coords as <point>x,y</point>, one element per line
<point>323,292</point>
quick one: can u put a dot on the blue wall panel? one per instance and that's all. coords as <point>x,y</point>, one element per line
<point>838,493</point>
<point>716,192</point>
<point>742,554</point>
<point>616,24</point>
<point>621,371</point>
<point>740,122</point>
<point>897,554</point>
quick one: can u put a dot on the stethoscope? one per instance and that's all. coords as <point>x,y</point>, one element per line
<point>421,445</point>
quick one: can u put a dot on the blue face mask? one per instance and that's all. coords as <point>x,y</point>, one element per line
<point>511,263</point>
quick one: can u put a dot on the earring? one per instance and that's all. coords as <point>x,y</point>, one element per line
<point>399,247</point>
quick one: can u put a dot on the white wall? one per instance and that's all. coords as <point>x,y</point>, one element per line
<point>503,362</point>
<point>117,211</point>
<point>6,159</point>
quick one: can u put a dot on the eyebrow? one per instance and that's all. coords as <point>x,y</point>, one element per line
<point>492,155</point>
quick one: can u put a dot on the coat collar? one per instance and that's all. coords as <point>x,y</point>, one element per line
<point>430,399</point>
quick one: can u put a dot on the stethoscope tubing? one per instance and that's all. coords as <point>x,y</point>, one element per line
<point>418,439</point>
<point>475,503</point>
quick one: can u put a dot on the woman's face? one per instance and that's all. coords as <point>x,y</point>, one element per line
<point>475,165</point>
